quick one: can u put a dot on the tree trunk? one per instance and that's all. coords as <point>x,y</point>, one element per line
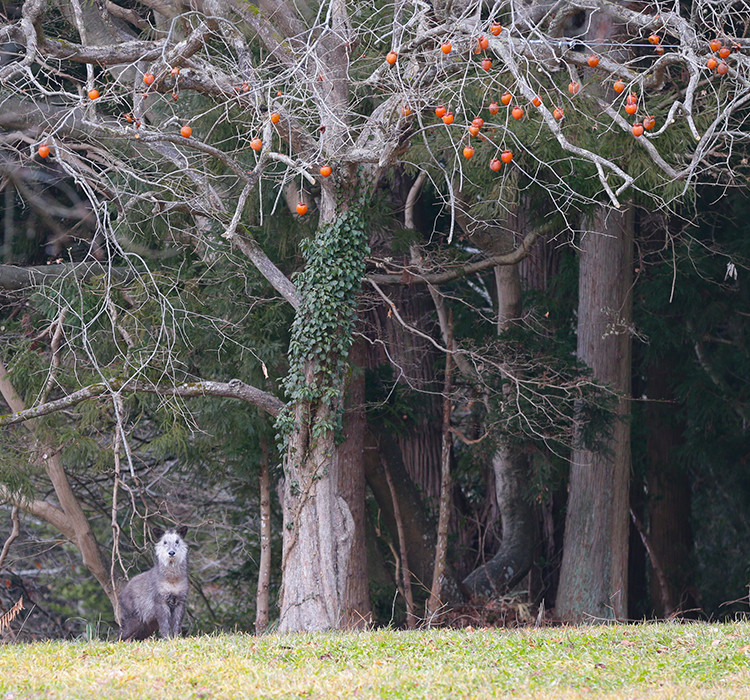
<point>670,531</point>
<point>323,487</point>
<point>593,577</point>
<point>325,562</point>
<point>435,603</point>
<point>357,612</point>
<point>515,555</point>
<point>418,529</point>
<point>510,466</point>
<point>416,357</point>
<point>318,530</point>
<point>264,566</point>
<point>402,553</point>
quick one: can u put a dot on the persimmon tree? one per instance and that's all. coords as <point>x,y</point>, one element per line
<point>187,125</point>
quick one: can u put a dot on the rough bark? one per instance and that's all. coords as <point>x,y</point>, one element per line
<point>593,577</point>
<point>318,534</point>
<point>410,353</point>
<point>323,491</point>
<point>416,357</point>
<point>324,561</point>
<point>537,271</point>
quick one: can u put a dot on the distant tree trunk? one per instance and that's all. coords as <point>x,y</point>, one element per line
<point>402,563</point>
<point>537,272</point>
<point>418,528</point>
<point>416,358</point>
<point>593,577</point>
<point>412,457</point>
<point>515,554</point>
<point>264,566</point>
<point>669,528</point>
<point>510,465</point>
<point>415,521</point>
<point>413,356</point>
<point>435,602</point>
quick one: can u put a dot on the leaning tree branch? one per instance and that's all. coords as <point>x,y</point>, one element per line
<point>44,510</point>
<point>234,389</point>
<point>32,13</point>
<point>277,279</point>
<point>108,55</point>
<point>15,531</point>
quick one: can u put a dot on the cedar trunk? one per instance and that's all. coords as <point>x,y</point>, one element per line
<point>670,530</point>
<point>593,578</point>
<point>356,611</point>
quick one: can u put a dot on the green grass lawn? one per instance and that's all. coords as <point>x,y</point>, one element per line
<point>634,661</point>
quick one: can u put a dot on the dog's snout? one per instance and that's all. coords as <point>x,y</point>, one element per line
<point>172,552</point>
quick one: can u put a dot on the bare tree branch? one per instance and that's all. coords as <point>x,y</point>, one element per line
<point>280,282</point>
<point>409,275</point>
<point>14,277</point>
<point>74,524</point>
<point>234,389</point>
<point>14,532</point>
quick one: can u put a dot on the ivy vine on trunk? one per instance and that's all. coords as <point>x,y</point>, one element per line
<point>318,524</point>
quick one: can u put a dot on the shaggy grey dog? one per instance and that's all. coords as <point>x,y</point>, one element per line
<point>155,600</point>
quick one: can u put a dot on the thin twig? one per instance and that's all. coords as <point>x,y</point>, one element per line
<point>14,532</point>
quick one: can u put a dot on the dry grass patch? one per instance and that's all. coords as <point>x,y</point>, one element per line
<point>643,661</point>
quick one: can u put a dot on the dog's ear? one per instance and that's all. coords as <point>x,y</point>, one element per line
<point>157,533</point>
<point>182,531</point>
